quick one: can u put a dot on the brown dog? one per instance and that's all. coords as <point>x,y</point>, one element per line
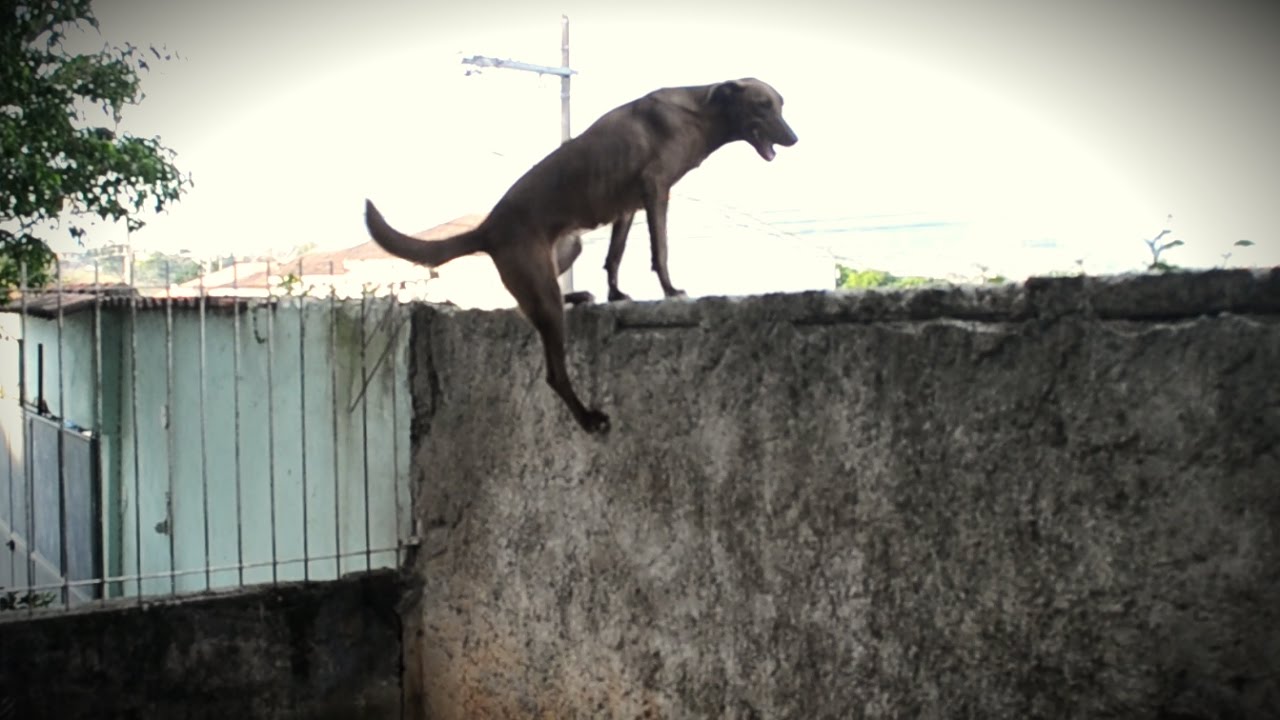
<point>627,160</point>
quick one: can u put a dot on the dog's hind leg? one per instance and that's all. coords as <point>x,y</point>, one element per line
<point>617,243</point>
<point>568,248</point>
<point>529,273</point>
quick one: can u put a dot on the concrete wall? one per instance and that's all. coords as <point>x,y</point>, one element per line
<point>1052,500</point>
<point>327,650</point>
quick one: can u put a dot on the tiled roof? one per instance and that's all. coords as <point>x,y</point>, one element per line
<point>258,274</point>
<point>49,302</point>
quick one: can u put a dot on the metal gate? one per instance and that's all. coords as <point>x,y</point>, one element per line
<point>54,526</point>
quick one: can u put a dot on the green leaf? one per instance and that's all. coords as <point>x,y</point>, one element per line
<point>56,159</point>
<point>1244,243</point>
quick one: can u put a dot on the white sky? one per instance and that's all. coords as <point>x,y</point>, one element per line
<point>1084,122</point>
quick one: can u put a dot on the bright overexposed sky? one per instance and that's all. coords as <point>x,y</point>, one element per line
<point>1077,124</point>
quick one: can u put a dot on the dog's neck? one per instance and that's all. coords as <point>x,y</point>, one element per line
<point>720,132</point>
<point>717,131</point>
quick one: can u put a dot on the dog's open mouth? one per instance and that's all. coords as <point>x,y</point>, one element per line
<point>762,145</point>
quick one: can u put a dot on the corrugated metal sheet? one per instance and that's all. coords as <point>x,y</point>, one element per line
<point>47,304</point>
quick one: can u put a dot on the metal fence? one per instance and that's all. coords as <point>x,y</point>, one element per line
<point>191,438</point>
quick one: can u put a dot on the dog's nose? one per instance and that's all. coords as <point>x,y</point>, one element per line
<point>788,136</point>
<point>782,132</point>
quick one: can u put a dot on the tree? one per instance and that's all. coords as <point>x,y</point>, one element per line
<point>58,155</point>
<point>160,270</point>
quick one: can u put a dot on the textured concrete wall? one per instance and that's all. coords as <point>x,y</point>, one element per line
<point>1054,500</point>
<point>326,650</point>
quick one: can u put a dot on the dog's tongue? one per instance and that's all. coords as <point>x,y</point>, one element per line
<point>767,152</point>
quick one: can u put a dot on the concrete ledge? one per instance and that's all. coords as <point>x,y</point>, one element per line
<point>1051,500</point>
<point>1128,297</point>
<point>322,650</point>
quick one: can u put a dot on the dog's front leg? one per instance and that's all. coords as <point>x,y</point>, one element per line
<point>617,243</point>
<point>655,207</point>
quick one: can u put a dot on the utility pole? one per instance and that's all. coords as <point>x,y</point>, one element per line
<point>565,73</point>
<point>564,79</point>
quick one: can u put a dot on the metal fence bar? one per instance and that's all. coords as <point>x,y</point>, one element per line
<point>204,436</point>
<point>22,330</point>
<point>170,515</point>
<point>384,323</point>
<point>364,426</point>
<point>10,543</point>
<point>302,412</point>
<point>390,325</point>
<point>133,415</point>
<point>64,565</point>
<point>333,381</point>
<point>98,420</point>
<point>271,440</point>
<point>235,403</point>
<point>395,438</point>
<point>13,527</point>
<point>28,476</point>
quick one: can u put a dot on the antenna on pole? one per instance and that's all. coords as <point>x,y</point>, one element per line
<point>565,73</point>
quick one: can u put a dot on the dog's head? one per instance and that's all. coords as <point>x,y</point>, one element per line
<point>755,113</point>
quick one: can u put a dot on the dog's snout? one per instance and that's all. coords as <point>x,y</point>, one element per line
<point>786,136</point>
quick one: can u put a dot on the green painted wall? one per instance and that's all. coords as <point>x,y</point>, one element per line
<point>251,451</point>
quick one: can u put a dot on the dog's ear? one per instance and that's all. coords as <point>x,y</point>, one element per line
<point>726,91</point>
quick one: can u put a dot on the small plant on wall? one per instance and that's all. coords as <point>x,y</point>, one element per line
<point>24,601</point>
<point>1157,247</point>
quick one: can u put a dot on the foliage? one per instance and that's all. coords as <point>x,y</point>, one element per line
<point>1226,256</point>
<point>25,601</point>
<point>985,276</point>
<point>853,279</point>
<point>1157,247</point>
<point>289,283</point>
<point>58,155</point>
<point>160,270</point>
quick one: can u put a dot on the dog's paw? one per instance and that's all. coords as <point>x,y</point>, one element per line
<point>580,297</point>
<point>675,293</point>
<point>595,422</point>
<point>618,296</point>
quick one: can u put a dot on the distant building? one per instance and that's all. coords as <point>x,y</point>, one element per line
<point>713,251</point>
<point>468,281</point>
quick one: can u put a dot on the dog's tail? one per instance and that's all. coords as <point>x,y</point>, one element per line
<point>427,252</point>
